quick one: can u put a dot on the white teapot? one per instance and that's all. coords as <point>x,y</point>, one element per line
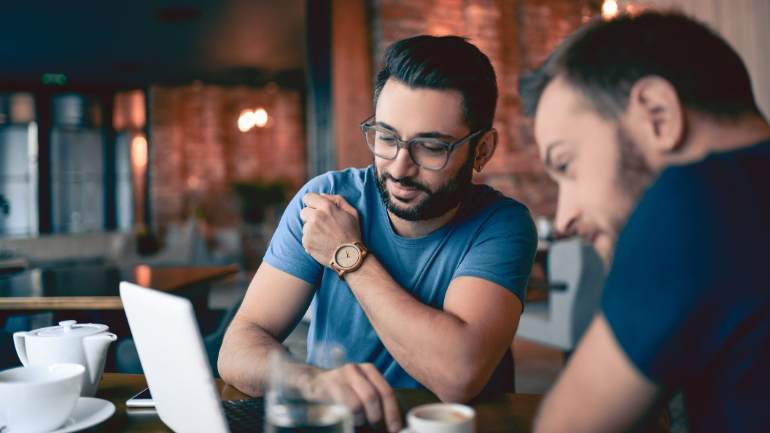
<point>80,343</point>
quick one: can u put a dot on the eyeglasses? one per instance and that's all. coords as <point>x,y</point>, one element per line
<point>428,153</point>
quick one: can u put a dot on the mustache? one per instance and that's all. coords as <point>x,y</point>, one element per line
<point>406,182</point>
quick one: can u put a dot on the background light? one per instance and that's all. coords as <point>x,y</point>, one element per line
<point>260,117</point>
<point>54,79</point>
<point>609,9</point>
<point>139,151</point>
<point>246,120</point>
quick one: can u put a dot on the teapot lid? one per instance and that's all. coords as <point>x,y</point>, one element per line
<point>70,328</point>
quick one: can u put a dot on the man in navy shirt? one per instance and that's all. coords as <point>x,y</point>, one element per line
<point>418,273</point>
<point>649,125</point>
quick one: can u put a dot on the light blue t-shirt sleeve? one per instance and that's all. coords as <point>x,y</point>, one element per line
<point>285,251</point>
<point>504,250</point>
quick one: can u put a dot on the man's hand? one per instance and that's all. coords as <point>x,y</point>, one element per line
<point>362,388</point>
<point>329,221</point>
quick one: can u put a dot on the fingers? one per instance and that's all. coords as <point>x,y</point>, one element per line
<point>317,201</point>
<point>342,204</point>
<point>328,202</point>
<point>367,394</point>
<point>392,413</point>
<point>306,213</point>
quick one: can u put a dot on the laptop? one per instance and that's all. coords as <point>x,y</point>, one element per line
<point>176,366</point>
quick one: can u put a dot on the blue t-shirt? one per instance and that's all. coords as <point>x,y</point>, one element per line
<point>491,237</point>
<point>688,297</point>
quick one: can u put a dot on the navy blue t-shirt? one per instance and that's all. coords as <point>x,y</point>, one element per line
<point>688,296</point>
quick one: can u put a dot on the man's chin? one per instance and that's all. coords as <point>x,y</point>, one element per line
<point>604,245</point>
<point>404,211</point>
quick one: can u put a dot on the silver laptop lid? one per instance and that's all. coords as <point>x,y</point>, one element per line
<point>174,360</point>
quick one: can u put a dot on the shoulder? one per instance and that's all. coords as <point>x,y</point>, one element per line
<point>492,217</point>
<point>339,181</point>
<point>487,204</point>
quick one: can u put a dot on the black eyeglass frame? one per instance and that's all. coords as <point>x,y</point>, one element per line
<point>450,147</point>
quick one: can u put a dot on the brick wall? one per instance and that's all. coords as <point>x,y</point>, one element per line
<point>516,35</point>
<point>197,151</point>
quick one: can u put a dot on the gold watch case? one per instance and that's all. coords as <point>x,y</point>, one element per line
<point>348,257</point>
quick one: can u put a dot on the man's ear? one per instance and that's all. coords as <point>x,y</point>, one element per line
<point>485,149</point>
<point>655,110</point>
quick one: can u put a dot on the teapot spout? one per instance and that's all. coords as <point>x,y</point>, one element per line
<point>21,346</point>
<point>95,349</point>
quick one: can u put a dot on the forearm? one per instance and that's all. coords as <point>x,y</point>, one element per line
<point>435,347</point>
<point>598,391</point>
<point>243,357</point>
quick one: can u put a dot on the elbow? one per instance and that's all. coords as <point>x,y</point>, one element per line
<point>222,365</point>
<point>465,379</point>
<point>226,365</point>
<point>462,389</point>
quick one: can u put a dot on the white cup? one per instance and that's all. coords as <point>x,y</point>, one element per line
<point>39,398</point>
<point>442,418</point>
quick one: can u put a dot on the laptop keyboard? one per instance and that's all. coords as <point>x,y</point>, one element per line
<point>245,416</point>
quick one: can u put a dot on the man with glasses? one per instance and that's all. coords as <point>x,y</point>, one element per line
<point>416,272</point>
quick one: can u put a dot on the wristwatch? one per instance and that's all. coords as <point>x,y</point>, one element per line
<point>348,257</point>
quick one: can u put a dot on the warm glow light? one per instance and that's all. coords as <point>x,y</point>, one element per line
<point>246,120</point>
<point>139,151</point>
<point>609,9</point>
<point>143,275</point>
<point>260,117</point>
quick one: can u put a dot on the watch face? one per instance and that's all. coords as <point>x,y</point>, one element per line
<point>347,256</point>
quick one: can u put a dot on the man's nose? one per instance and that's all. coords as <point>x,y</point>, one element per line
<point>567,213</point>
<point>403,166</point>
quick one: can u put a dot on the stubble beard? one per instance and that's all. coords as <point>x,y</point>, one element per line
<point>437,203</point>
<point>634,176</point>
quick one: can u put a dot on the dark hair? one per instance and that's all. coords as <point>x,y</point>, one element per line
<point>604,59</point>
<point>444,62</point>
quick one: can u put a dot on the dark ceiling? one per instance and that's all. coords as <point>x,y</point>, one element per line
<point>108,43</point>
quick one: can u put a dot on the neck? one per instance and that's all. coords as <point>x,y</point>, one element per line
<point>417,229</point>
<point>707,136</point>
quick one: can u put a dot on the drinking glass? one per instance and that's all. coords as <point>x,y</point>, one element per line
<point>292,406</point>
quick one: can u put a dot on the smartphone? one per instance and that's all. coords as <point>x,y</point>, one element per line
<point>143,399</point>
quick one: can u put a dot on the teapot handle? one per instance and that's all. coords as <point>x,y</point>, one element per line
<point>21,348</point>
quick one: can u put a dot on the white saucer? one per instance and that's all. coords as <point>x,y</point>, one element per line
<point>88,412</point>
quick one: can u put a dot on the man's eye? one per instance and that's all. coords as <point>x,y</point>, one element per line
<point>433,147</point>
<point>386,138</point>
<point>562,167</point>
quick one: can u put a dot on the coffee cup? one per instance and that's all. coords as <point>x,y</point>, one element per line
<point>39,398</point>
<point>442,418</point>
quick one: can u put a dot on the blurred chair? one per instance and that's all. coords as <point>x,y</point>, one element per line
<point>127,359</point>
<point>183,245</point>
<point>576,276</point>
<point>12,264</point>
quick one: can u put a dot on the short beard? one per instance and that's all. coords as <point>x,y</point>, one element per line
<point>438,203</point>
<point>635,173</point>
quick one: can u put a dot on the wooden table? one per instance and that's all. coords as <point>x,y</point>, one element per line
<point>96,287</point>
<point>506,413</point>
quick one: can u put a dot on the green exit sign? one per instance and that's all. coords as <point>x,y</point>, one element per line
<point>54,79</point>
